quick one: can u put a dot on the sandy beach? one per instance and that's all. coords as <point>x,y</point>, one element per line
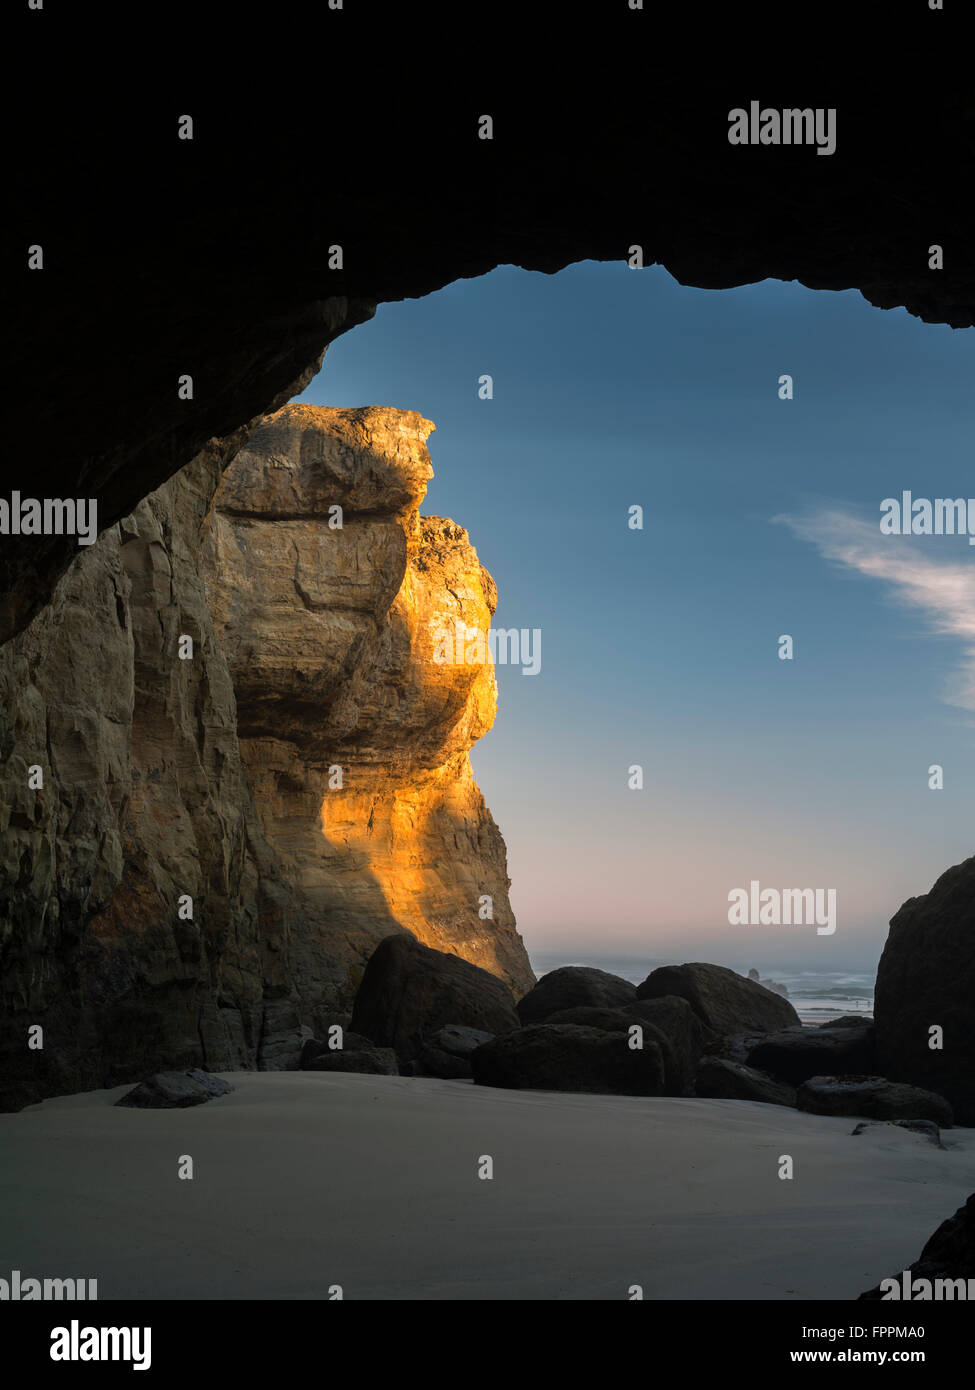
<point>305,1180</point>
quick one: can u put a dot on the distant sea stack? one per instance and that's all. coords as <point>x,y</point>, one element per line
<point>253,769</point>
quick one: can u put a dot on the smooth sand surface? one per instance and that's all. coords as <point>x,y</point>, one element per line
<point>303,1180</point>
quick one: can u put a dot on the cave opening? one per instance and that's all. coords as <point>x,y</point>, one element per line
<point>610,390</point>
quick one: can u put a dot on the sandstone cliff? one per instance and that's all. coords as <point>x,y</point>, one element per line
<point>329,632</point>
<point>208,778</point>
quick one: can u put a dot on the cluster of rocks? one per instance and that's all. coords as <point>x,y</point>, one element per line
<point>687,1030</point>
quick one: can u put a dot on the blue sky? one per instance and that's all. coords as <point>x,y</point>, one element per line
<point>613,387</point>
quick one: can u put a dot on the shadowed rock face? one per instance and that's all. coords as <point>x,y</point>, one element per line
<point>798,1054</point>
<point>570,1057</point>
<point>144,799</point>
<point>926,979</point>
<point>310,651</point>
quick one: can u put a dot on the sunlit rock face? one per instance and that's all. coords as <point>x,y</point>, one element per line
<point>355,737</point>
<point>169,779</point>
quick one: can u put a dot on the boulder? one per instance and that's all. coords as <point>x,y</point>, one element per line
<point>948,1254</point>
<point>687,1037</point>
<point>724,1001</point>
<point>873,1097</point>
<point>669,1022</point>
<point>621,1020</point>
<point>573,987</point>
<point>926,1128</point>
<point>409,991</point>
<point>925,979</point>
<point>175,1090</point>
<point>723,1080</point>
<point>798,1054</point>
<point>847,1021</point>
<point>447,1052</point>
<point>567,1057</point>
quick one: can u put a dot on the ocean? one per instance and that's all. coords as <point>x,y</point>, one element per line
<point>816,995</point>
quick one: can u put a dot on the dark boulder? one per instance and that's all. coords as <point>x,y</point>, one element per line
<point>622,1020</point>
<point>447,1052</point>
<point>847,1021</point>
<point>948,1254</point>
<point>798,1054</point>
<point>175,1090</point>
<point>723,1080</point>
<point>213,1085</point>
<point>926,979</point>
<point>409,991</point>
<point>669,1022</point>
<point>927,1129</point>
<point>567,1057</point>
<point>727,1003</point>
<point>573,987</point>
<point>687,1037</point>
<point>873,1098</point>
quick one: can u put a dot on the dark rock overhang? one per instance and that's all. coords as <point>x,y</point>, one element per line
<point>211,257</point>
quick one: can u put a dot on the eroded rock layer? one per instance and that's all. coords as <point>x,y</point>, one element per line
<point>185,887</point>
<point>355,738</point>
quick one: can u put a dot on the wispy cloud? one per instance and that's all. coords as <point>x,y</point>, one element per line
<point>942,589</point>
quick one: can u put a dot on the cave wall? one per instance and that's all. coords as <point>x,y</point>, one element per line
<point>143,799</point>
<point>310,649</point>
<point>216,256</point>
